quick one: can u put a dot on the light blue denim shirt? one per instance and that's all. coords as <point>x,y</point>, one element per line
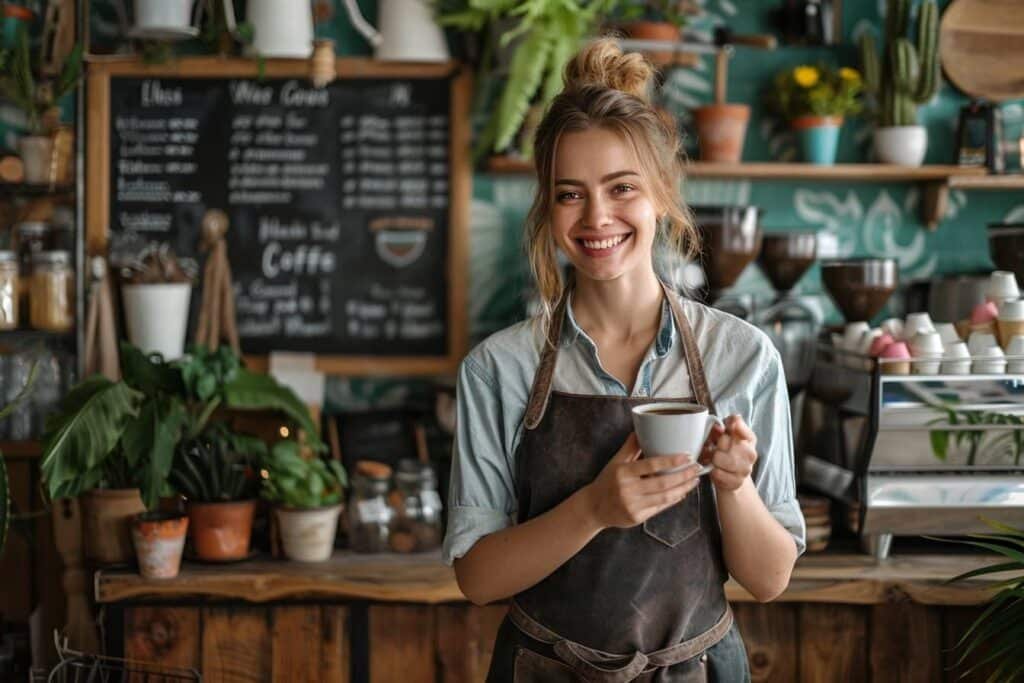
<point>744,373</point>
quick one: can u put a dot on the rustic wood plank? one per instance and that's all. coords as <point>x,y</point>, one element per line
<point>165,636</point>
<point>771,637</point>
<point>423,578</point>
<point>236,644</point>
<point>458,643</point>
<point>491,617</point>
<point>335,647</point>
<point>955,622</point>
<point>296,643</point>
<point>833,642</point>
<point>906,643</point>
<point>402,639</point>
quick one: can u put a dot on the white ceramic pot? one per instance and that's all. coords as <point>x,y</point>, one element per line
<point>174,15</point>
<point>36,152</point>
<point>904,145</point>
<point>308,535</point>
<point>281,28</point>
<point>157,317</point>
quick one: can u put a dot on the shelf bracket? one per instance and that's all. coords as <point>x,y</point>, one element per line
<point>934,202</point>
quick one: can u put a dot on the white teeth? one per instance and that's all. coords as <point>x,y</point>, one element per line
<point>603,244</point>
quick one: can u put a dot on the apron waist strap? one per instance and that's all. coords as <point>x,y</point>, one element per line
<point>618,668</point>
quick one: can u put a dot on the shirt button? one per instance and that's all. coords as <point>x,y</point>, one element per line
<point>641,392</point>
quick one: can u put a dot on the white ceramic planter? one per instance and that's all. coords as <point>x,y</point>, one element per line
<point>281,28</point>
<point>308,535</point>
<point>36,152</point>
<point>903,145</point>
<point>157,317</point>
<point>163,14</point>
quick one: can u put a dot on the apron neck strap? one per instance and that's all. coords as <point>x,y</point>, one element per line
<point>694,365</point>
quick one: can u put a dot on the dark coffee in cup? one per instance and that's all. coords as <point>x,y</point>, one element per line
<point>674,411</point>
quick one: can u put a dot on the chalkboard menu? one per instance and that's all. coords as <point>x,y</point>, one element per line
<point>345,228</point>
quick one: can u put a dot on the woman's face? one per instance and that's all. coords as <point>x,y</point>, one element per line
<point>603,216</point>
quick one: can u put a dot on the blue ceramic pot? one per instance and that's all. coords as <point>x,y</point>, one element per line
<point>819,138</point>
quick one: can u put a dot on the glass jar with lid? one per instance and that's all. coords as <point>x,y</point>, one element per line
<point>52,292</point>
<point>416,525</point>
<point>8,290</point>
<point>368,515</point>
<point>32,237</point>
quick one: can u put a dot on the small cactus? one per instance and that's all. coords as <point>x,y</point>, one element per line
<point>907,74</point>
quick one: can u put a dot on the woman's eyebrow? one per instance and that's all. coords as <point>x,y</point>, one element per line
<point>604,179</point>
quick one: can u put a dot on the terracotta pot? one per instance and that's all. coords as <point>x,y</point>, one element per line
<point>655,30</point>
<point>721,130</point>
<point>221,531</point>
<point>307,535</point>
<point>159,538</point>
<point>107,514</point>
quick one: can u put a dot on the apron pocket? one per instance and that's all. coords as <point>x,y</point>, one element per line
<point>674,525</point>
<point>532,667</point>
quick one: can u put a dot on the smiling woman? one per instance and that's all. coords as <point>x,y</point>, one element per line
<point>616,561</point>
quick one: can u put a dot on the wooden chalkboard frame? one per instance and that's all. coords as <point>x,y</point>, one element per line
<point>97,210</point>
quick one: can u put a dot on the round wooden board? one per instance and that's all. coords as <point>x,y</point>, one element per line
<point>980,47</point>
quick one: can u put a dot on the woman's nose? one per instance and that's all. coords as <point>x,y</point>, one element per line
<point>597,213</point>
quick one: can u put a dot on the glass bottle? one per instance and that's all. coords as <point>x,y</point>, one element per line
<point>50,303</point>
<point>8,290</point>
<point>368,514</point>
<point>416,525</point>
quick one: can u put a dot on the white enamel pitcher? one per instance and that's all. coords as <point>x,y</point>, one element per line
<point>281,28</point>
<point>408,32</point>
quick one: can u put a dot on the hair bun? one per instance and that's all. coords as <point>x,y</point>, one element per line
<point>602,63</point>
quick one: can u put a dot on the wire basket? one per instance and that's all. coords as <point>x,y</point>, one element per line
<point>81,667</point>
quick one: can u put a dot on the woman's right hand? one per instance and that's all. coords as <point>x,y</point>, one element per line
<point>630,490</point>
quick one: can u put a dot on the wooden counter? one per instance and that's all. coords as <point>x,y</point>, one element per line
<point>385,618</point>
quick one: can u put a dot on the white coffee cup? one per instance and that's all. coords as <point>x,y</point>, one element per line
<point>956,360</point>
<point>1015,354</point>
<point>893,327</point>
<point>948,333</point>
<point>917,322</point>
<point>994,362</point>
<point>675,433</point>
<point>1002,286</point>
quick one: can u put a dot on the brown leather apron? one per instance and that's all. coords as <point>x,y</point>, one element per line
<point>645,603</point>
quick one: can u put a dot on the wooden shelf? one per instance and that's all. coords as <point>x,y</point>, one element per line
<point>423,578</point>
<point>21,449</point>
<point>27,190</point>
<point>936,179</point>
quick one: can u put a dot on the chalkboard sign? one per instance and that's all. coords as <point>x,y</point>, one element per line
<point>347,204</point>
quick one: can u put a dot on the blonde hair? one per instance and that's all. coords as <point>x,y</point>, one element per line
<point>606,88</point>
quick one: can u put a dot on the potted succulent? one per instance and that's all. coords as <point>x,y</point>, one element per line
<point>814,99</point>
<point>114,442</point>
<point>220,487</point>
<point>39,102</point>
<point>654,20</point>
<point>307,494</point>
<point>905,76</point>
<point>156,287</point>
<point>539,37</point>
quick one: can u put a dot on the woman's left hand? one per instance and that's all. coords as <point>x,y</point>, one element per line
<point>732,451</point>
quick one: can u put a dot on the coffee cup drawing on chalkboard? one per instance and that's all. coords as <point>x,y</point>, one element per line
<point>400,241</point>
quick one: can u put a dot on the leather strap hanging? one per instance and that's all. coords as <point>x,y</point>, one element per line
<point>100,331</point>
<point>217,311</point>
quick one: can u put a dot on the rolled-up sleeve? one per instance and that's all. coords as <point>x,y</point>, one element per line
<point>771,422</point>
<point>481,498</point>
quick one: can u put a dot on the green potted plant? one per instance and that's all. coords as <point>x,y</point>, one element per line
<point>307,494</point>
<point>39,102</point>
<point>539,37</point>
<point>115,442</point>
<point>905,76</point>
<point>220,488</point>
<point>654,20</point>
<point>814,99</point>
<point>996,635</point>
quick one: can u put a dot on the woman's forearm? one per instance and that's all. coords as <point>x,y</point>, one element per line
<point>759,552</point>
<point>509,561</point>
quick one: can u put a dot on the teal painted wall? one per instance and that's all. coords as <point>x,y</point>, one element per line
<point>852,218</point>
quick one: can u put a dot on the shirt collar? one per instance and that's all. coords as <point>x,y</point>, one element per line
<point>572,332</point>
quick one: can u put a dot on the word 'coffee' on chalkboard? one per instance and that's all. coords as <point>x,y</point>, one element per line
<point>340,201</point>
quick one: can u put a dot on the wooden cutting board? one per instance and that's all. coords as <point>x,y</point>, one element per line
<point>981,45</point>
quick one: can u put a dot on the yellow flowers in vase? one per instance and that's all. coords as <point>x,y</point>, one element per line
<point>815,99</point>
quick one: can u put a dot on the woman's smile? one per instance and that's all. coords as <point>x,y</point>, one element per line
<point>602,247</point>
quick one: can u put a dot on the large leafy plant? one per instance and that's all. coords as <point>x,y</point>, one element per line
<point>124,434</point>
<point>1000,628</point>
<point>18,83</point>
<point>297,482</point>
<point>541,34</point>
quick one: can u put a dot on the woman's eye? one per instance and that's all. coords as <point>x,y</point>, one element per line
<point>567,196</point>
<point>623,188</point>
